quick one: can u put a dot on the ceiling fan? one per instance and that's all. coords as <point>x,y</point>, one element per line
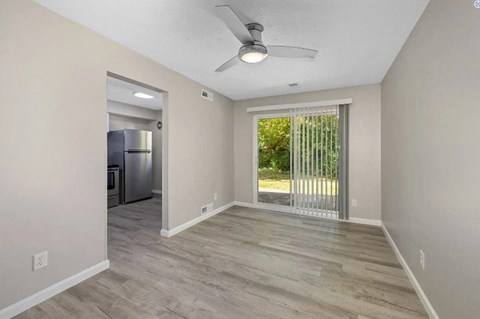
<point>250,35</point>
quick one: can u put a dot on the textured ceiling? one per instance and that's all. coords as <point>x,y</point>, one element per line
<point>122,91</point>
<point>357,40</point>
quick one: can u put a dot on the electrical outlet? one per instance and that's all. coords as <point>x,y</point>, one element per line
<point>422,259</point>
<point>215,196</point>
<point>354,203</point>
<point>40,260</point>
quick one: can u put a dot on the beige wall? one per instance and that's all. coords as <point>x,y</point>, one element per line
<point>53,177</point>
<point>139,118</point>
<point>364,153</point>
<point>431,152</point>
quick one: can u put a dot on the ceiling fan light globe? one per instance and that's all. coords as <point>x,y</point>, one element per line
<point>252,53</point>
<point>253,57</point>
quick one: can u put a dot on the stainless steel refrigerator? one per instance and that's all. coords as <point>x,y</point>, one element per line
<point>131,150</point>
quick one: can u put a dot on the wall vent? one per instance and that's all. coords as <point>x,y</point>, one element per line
<point>207,95</point>
<point>206,209</point>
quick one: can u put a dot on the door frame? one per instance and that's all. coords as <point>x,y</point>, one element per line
<point>256,203</point>
<point>344,162</point>
<point>165,150</point>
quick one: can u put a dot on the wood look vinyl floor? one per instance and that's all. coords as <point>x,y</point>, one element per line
<point>241,264</point>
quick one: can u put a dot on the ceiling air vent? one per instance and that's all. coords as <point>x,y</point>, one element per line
<point>207,95</point>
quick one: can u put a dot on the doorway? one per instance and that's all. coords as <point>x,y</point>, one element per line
<point>300,161</point>
<point>137,161</point>
<point>273,160</point>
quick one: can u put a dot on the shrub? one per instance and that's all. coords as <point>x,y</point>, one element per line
<point>274,143</point>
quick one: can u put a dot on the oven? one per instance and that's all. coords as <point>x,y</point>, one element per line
<point>113,186</point>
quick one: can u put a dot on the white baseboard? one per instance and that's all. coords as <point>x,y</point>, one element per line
<point>157,191</point>
<point>176,230</point>
<point>364,221</point>
<point>243,204</point>
<point>51,291</point>
<point>273,208</point>
<point>421,294</point>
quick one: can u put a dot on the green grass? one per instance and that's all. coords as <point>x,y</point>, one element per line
<point>271,179</point>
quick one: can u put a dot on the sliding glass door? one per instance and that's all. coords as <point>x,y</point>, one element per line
<point>274,160</point>
<point>301,161</point>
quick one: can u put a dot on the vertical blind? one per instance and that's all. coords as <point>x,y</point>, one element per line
<point>318,161</point>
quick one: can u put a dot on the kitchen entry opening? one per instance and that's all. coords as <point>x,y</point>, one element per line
<point>137,167</point>
<point>300,161</point>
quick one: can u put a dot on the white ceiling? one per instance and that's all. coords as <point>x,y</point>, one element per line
<point>122,91</point>
<point>357,40</point>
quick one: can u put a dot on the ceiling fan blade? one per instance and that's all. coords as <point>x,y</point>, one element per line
<point>228,64</point>
<point>234,23</point>
<point>290,52</point>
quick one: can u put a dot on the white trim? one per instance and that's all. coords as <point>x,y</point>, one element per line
<point>272,208</point>
<point>176,230</point>
<point>243,204</point>
<point>157,191</point>
<point>299,105</point>
<point>285,209</point>
<point>42,295</point>
<point>255,158</point>
<point>421,294</point>
<point>365,221</point>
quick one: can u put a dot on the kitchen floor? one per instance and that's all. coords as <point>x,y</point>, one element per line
<point>142,216</point>
<point>242,263</point>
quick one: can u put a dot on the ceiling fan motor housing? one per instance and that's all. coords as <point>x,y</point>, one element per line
<point>256,30</point>
<point>256,46</point>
